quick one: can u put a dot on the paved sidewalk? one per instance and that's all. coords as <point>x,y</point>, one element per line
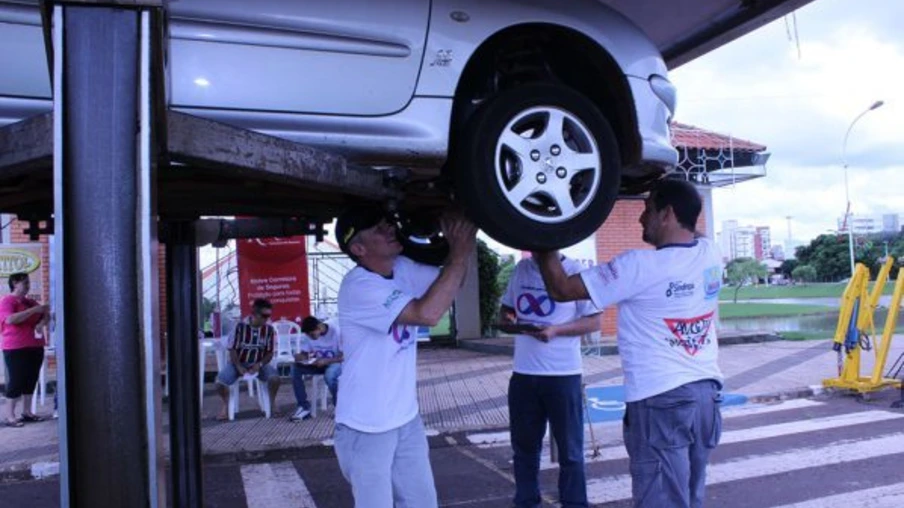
<point>459,390</point>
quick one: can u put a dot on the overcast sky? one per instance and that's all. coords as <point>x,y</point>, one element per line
<point>758,88</point>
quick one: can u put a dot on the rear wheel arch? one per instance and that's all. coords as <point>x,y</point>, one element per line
<point>546,52</point>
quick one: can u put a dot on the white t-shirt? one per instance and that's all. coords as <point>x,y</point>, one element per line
<point>667,304</point>
<point>379,373</point>
<point>327,346</point>
<point>526,293</point>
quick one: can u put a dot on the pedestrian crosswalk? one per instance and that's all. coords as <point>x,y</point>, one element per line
<point>770,445</point>
<point>794,454</point>
<point>275,484</point>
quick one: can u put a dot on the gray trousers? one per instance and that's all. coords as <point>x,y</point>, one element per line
<point>669,438</point>
<point>389,469</point>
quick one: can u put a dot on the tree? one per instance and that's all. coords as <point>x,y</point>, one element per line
<point>505,273</point>
<point>829,255</point>
<point>488,274</point>
<point>207,307</point>
<point>742,270</point>
<point>804,273</point>
<point>788,266</point>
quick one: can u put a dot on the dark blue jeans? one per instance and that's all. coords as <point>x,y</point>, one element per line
<point>534,401</point>
<point>330,376</point>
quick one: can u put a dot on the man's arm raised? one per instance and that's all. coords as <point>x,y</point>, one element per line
<point>429,309</point>
<point>559,285</point>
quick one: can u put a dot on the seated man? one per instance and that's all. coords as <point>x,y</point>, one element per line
<point>250,353</point>
<point>320,355</point>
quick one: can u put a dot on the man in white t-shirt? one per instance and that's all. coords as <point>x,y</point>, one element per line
<point>546,383</point>
<point>380,439</point>
<point>667,301</point>
<point>321,354</point>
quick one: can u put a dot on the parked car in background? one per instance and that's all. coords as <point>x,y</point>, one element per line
<point>539,113</point>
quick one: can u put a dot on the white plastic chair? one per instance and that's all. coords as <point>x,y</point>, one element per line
<point>319,389</point>
<point>321,394</point>
<point>255,387</point>
<point>206,346</point>
<point>263,396</point>
<point>41,389</point>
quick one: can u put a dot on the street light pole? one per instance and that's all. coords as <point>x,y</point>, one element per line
<point>847,196</point>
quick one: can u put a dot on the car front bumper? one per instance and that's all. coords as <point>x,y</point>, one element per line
<point>655,105</point>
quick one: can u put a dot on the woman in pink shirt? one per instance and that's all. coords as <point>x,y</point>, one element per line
<point>20,316</point>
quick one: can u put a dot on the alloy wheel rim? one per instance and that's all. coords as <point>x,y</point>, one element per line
<point>547,164</point>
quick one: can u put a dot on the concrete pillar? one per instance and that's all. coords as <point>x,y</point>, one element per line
<point>706,192</point>
<point>467,304</point>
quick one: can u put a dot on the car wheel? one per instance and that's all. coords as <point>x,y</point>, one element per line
<point>537,167</point>
<point>421,238</point>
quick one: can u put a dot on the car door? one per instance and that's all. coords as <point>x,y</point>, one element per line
<point>24,75</point>
<point>339,57</point>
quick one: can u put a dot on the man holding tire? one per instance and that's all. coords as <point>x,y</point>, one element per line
<point>667,301</point>
<point>380,439</point>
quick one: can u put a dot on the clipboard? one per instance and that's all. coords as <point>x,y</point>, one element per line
<point>517,328</point>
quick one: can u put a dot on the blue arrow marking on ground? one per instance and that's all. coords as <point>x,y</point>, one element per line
<point>607,403</point>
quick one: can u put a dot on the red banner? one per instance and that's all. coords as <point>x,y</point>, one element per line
<point>275,269</point>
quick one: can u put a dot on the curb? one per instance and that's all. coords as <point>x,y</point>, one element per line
<point>792,393</point>
<point>611,349</point>
<point>324,449</point>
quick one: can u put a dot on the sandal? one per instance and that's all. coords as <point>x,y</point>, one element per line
<point>31,418</point>
<point>13,423</point>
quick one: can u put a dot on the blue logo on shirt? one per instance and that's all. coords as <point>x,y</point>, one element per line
<point>540,306</point>
<point>712,282</point>
<point>402,336</point>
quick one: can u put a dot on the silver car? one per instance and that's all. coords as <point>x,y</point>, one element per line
<point>537,112</point>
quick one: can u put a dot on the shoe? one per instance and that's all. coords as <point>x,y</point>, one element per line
<point>301,414</point>
<point>56,414</point>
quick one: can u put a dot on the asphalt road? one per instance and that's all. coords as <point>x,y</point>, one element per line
<point>833,452</point>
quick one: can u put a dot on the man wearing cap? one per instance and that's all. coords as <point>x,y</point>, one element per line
<point>380,440</point>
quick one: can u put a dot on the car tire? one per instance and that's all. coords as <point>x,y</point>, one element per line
<point>421,239</point>
<point>568,178</point>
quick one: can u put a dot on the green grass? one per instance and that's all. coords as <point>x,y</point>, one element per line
<point>799,291</point>
<point>808,335</point>
<point>752,310</point>
<point>441,328</point>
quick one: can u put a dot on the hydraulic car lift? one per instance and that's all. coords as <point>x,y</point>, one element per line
<point>856,326</point>
<point>103,170</point>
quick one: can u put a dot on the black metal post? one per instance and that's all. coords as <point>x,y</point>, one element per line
<point>107,437</point>
<point>182,364</point>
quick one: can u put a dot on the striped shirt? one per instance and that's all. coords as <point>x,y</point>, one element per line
<point>252,344</point>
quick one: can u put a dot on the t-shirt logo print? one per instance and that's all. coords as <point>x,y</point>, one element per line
<point>690,333</point>
<point>402,336</point>
<point>540,306</point>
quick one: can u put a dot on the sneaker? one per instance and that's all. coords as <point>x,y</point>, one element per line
<point>301,414</point>
<point>56,414</point>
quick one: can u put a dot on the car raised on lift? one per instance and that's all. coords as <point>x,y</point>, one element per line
<point>537,113</point>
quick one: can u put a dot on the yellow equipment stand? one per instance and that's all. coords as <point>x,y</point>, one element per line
<point>856,296</point>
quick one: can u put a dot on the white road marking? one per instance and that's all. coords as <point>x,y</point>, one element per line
<point>764,432</point>
<point>277,484</point>
<point>889,496</point>
<point>609,489</point>
<point>492,439</point>
<point>759,409</point>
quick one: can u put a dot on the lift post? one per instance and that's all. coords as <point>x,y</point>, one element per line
<point>856,326</point>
